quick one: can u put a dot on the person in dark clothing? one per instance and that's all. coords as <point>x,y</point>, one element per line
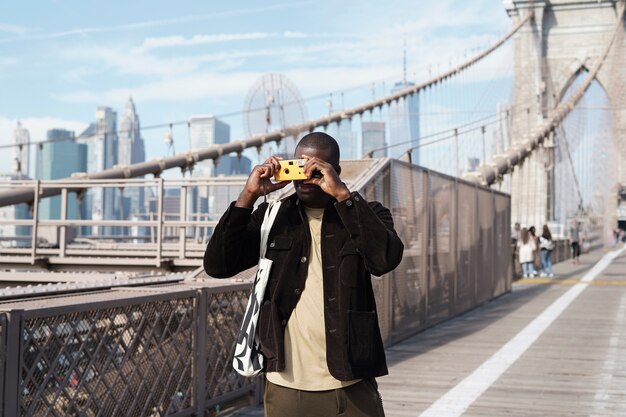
<point>318,326</point>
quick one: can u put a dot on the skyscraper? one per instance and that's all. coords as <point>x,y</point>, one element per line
<point>21,152</point>
<point>373,137</point>
<point>11,233</point>
<point>233,165</point>
<point>131,151</point>
<point>102,144</point>
<point>345,137</point>
<point>404,123</point>
<point>58,158</point>
<point>204,132</point>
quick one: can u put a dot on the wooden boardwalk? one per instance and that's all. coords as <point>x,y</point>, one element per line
<point>568,357</point>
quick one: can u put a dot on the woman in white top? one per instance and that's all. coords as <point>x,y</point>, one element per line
<point>526,248</point>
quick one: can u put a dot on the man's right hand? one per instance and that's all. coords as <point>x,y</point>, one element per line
<point>259,176</point>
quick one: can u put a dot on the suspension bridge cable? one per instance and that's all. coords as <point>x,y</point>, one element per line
<point>189,159</point>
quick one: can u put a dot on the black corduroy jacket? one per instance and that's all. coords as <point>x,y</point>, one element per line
<point>358,240</point>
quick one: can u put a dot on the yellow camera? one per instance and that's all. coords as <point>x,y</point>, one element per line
<point>291,169</point>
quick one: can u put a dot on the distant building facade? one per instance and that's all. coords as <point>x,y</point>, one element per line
<point>404,123</point>
<point>346,138</point>
<point>59,157</point>
<point>12,235</point>
<point>102,153</point>
<point>205,131</point>
<point>373,138</point>
<point>21,152</point>
<point>233,165</point>
<point>131,150</point>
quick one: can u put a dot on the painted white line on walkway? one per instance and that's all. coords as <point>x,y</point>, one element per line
<point>456,401</point>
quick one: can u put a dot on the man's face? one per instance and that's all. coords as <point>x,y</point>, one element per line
<point>312,195</point>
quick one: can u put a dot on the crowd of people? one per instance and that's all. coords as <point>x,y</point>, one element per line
<point>534,252</point>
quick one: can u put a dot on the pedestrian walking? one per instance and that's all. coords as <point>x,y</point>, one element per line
<point>525,248</point>
<point>574,239</point>
<point>546,246</point>
<point>536,260</point>
<point>515,233</point>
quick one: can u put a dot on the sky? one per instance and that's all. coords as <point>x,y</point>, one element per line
<point>62,59</point>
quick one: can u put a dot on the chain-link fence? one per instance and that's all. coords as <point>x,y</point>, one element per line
<point>457,252</point>
<point>126,352</point>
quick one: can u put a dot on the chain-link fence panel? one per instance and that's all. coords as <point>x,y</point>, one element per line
<point>441,255</point>
<point>126,359</point>
<point>225,311</point>
<point>467,244</point>
<point>486,239</point>
<point>502,224</point>
<point>408,281</point>
<point>456,248</point>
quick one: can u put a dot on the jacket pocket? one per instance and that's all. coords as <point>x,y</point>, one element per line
<point>362,340</point>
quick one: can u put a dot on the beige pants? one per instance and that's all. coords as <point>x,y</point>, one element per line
<point>358,400</point>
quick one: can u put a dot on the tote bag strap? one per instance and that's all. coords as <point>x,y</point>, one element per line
<point>268,221</point>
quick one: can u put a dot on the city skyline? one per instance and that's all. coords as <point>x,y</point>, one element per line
<point>174,65</point>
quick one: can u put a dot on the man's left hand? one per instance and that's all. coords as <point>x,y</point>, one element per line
<point>329,181</point>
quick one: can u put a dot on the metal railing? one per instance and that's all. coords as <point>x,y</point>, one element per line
<point>177,231</point>
<point>126,352</point>
<point>166,350</point>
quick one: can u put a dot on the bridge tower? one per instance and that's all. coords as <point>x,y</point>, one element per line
<point>564,38</point>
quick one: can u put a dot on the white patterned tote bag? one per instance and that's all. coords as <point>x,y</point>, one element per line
<point>248,360</point>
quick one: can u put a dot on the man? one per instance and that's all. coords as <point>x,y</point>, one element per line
<point>318,326</point>
<point>574,238</point>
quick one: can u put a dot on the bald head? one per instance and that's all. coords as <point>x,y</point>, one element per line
<point>322,142</point>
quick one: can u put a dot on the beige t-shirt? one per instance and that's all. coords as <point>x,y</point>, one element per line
<point>305,334</point>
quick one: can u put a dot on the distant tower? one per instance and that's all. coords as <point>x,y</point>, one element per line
<point>59,157</point>
<point>102,144</point>
<point>204,132</point>
<point>345,137</point>
<point>404,120</point>
<point>373,137</point>
<point>131,151</point>
<point>21,151</point>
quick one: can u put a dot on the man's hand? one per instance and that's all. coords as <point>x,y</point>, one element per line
<point>329,181</point>
<point>259,183</point>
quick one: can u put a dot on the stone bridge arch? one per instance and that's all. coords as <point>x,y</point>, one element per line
<point>564,38</point>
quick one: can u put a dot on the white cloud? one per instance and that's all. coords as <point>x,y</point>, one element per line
<point>8,61</point>
<point>126,62</point>
<point>179,40</point>
<point>169,41</point>
<point>13,29</point>
<point>16,30</point>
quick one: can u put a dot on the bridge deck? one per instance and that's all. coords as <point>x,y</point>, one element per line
<point>569,356</point>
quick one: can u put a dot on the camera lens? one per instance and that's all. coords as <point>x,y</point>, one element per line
<point>286,171</point>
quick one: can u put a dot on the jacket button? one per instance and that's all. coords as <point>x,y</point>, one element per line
<point>303,259</point>
<point>349,203</point>
<point>284,322</point>
<point>272,244</point>
<point>297,291</point>
<point>356,198</point>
